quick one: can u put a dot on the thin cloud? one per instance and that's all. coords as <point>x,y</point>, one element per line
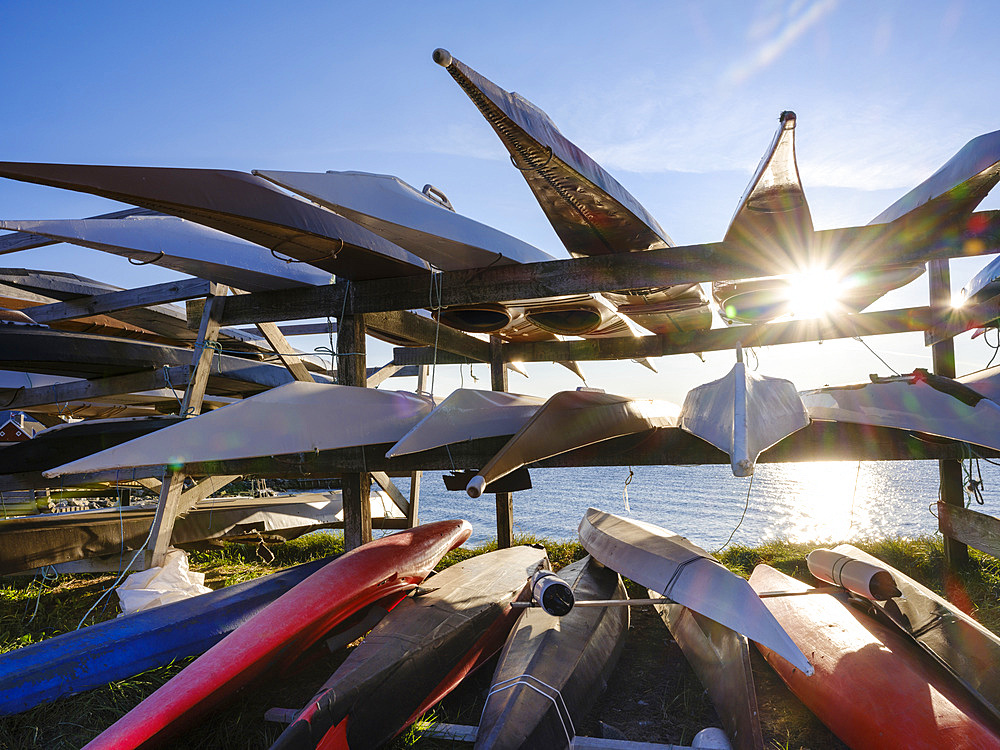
<point>801,19</point>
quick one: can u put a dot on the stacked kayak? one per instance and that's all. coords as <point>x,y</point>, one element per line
<point>419,652</point>
<point>871,686</point>
<point>381,572</point>
<point>552,669</point>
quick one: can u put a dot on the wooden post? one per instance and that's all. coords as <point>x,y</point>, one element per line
<point>413,513</point>
<point>355,486</point>
<point>950,483</point>
<point>505,500</point>
<point>169,505</point>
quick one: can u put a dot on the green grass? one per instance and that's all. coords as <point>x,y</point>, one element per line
<point>670,705</point>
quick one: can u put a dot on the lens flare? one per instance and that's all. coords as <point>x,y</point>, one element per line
<point>813,294</point>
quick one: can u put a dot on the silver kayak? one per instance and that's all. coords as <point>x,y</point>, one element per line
<point>297,417</point>
<point>672,566</point>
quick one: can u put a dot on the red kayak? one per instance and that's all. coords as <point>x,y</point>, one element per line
<point>872,687</point>
<point>382,571</point>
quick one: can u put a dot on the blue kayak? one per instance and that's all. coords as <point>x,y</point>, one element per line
<point>118,649</point>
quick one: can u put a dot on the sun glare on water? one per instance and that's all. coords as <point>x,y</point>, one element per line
<point>822,500</point>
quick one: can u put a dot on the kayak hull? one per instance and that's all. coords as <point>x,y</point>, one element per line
<point>871,686</point>
<point>381,571</point>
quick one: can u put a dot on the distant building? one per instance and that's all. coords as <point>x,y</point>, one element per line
<point>11,432</point>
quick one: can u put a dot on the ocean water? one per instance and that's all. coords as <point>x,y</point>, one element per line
<point>828,501</point>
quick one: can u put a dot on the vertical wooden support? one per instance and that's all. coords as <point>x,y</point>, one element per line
<point>173,481</point>
<point>355,486</point>
<point>413,512</point>
<point>505,500</point>
<point>951,490</point>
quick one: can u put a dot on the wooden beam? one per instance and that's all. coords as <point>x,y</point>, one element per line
<point>692,342</point>
<point>668,446</point>
<point>172,291</point>
<point>417,328</point>
<point>970,527</point>
<point>283,349</point>
<point>853,247</point>
<point>356,485</point>
<point>58,393</point>
<point>208,334</point>
<point>171,504</point>
<point>382,480</point>
<point>382,374</point>
<point>163,522</point>
<point>504,500</point>
<point>954,321</point>
<point>413,513</point>
<point>951,490</point>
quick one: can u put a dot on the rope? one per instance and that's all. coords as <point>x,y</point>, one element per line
<point>142,548</point>
<point>628,481</point>
<point>749,487</point>
<point>865,344</point>
<point>560,705</point>
<point>328,256</point>
<point>45,574</point>
<point>995,348</point>
<point>854,495</point>
<point>135,262</point>
<point>435,284</point>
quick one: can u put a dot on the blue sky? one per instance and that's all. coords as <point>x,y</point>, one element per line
<point>677,100</point>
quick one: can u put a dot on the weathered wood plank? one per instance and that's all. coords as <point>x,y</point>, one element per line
<point>961,319</point>
<point>382,480</point>
<point>970,528</point>
<point>163,521</point>
<point>423,330</point>
<point>692,342</point>
<point>201,365</point>
<point>171,291</point>
<point>951,490</point>
<point>821,441</point>
<point>355,485</point>
<point>59,393</point>
<point>382,374</point>
<point>284,351</point>
<point>854,247</point>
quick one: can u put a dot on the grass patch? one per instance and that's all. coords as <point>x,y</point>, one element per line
<point>652,696</point>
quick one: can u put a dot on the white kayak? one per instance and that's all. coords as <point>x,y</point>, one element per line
<point>921,402</point>
<point>294,418</point>
<point>571,420</point>
<point>468,414</point>
<point>182,246</point>
<point>681,571</point>
<point>417,221</point>
<point>743,414</point>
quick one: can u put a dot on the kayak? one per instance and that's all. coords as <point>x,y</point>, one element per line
<point>382,571</point>
<point>675,568</point>
<point>117,649</point>
<point>418,653</point>
<point>553,669</point>
<point>872,687</point>
<point>956,641</point>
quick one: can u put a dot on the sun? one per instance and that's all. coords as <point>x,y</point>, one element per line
<point>813,294</point>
